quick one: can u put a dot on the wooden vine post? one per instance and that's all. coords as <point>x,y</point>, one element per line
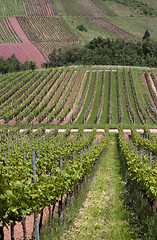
<point>35,214</point>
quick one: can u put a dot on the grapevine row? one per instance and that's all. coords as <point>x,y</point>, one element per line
<point>24,108</point>
<point>150,109</point>
<point>48,111</point>
<point>38,95</point>
<point>11,80</point>
<point>7,33</point>
<point>58,109</point>
<point>101,98</point>
<point>154,78</point>
<point>20,82</point>
<point>128,103</point>
<point>82,100</point>
<point>38,7</point>
<point>144,141</point>
<point>92,98</point>
<point>110,98</point>
<point>120,110</point>
<point>41,109</point>
<point>25,90</point>
<point>69,106</point>
<point>151,90</point>
<point>52,178</point>
<point>140,109</point>
<point>141,166</point>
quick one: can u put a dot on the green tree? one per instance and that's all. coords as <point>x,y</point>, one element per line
<point>146,35</point>
<point>32,65</point>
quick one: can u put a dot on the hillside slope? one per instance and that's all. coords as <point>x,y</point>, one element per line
<point>109,18</point>
<point>54,24</point>
<point>33,23</point>
<point>51,96</point>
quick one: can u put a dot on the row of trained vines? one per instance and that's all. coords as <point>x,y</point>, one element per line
<point>39,7</point>
<point>7,32</point>
<point>55,33</point>
<point>140,152</point>
<point>76,96</point>
<point>39,169</point>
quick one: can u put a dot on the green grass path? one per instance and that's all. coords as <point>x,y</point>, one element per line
<point>103,215</point>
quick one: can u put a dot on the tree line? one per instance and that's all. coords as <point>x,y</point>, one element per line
<point>12,64</point>
<point>108,51</point>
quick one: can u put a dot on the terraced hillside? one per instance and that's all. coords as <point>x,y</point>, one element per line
<point>37,26</point>
<point>79,96</point>
<point>55,33</point>
<point>48,23</point>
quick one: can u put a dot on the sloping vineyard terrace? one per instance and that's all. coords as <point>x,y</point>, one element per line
<point>48,100</point>
<point>33,81</point>
<point>51,96</point>
<point>55,33</point>
<point>72,98</point>
<point>56,96</point>
<point>39,7</point>
<point>7,32</point>
<point>151,87</point>
<point>23,52</point>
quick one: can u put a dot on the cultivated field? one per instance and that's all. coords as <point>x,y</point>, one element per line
<point>80,96</point>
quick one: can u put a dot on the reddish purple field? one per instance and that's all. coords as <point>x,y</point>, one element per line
<point>23,52</point>
<point>18,30</point>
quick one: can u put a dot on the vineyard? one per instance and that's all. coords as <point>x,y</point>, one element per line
<point>55,33</point>
<point>59,125</point>
<point>79,96</point>
<point>26,28</point>
<point>38,8</point>
<point>30,180</point>
<point>41,169</point>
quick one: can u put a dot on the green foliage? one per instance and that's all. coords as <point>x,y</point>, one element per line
<point>140,171</point>
<point>11,8</point>
<point>143,8</point>
<point>146,35</point>
<point>82,28</point>
<point>108,52</point>
<point>12,64</point>
<point>19,195</point>
<point>32,65</point>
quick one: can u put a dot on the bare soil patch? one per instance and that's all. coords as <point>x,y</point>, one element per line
<point>90,7</point>
<point>113,29</point>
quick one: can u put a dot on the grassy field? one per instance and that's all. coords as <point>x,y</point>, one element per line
<point>123,17</point>
<point>136,25</point>
<point>11,8</point>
